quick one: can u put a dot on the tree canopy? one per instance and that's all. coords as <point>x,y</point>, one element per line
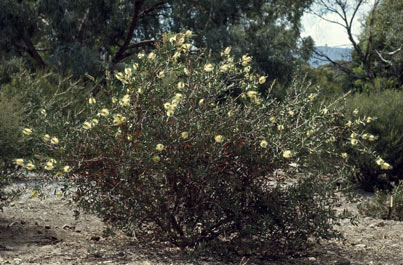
<point>85,35</point>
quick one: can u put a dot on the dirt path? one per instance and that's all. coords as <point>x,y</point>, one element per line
<point>35,231</point>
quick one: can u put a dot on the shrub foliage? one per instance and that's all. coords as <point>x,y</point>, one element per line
<point>382,110</point>
<point>190,150</point>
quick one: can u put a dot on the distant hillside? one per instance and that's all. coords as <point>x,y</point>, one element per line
<point>334,53</point>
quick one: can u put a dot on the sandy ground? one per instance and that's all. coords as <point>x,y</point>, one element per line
<point>45,231</point>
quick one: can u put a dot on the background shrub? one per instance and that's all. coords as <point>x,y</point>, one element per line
<point>385,110</point>
<point>379,207</point>
<point>11,143</point>
<point>191,151</point>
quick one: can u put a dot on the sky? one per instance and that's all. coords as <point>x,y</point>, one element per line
<point>330,34</point>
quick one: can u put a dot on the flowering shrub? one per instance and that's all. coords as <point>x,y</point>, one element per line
<point>190,150</point>
<point>378,111</point>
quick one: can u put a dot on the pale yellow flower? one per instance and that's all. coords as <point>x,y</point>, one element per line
<point>181,85</point>
<point>167,106</point>
<point>272,119</point>
<point>129,138</point>
<point>170,113</point>
<point>309,133</point>
<point>43,112</point>
<point>385,165</point>
<point>251,93</point>
<point>156,159</point>
<point>227,50</point>
<point>151,56</point>
<point>30,166</point>
<point>172,39</point>
<point>27,131</point>
<point>324,111</point>
<point>186,47</point>
<point>159,147</point>
<point>344,155</point>
<point>120,77</point>
<point>140,55</point>
<point>208,68</point>
<point>118,119</point>
<point>140,91</point>
<point>135,66</point>
<point>280,127</point>
<point>355,111</point>
<point>92,100</point>
<point>54,141</point>
<point>379,161</point>
<point>262,80</point>
<point>66,169</point>
<point>46,137</point>
<point>125,101</point>
<point>186,71</point>
<point>201,101</point>
<point>246,60</point>
<point>19,161</point>
<point>312,96</point>
<point>87,125</point>
<point>371,138</point>
<point>188,34</point>
<point>176,55</point>
<point>224,68</point>
<point>161,74</point>
<point>184,135</point>
<point>263,144</point>
<point>369,119</point>
<point>104,112</point>
<point>230,113</point>
<point>287,154</point>
<point>353,135</point>
<point>128,72</point>
<point>247,70</point>
<point>349,124</point>
<point>49,166</point>
<point>94,122</point>
<point>364,136</point>
<point>291,113</point>
<point>354,141</point>
<point>219,138</point>
<point>114,100</point>
<point>180,41</point>
<point>178,96</point>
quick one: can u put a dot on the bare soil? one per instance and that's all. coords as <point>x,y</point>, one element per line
<point>45,231</point>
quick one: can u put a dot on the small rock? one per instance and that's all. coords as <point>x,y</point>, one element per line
<point>360,246</point>
<point>47,226</point>
<point>17,261</point>
<point>22,222</point>
<point>95,238</point>
<point>311,258</point>
<point>77,231</point>
<point>66,227</point>
<point>380,224</point>
<point>12,204</point>
<point>12,224</point>
<point>343,261</point>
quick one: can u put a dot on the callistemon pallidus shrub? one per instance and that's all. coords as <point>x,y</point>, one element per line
<point>190,150</point>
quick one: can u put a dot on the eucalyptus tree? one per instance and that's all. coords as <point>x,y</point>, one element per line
<point>86,35</point>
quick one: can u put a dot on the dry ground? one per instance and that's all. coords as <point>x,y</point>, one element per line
<point>35,231</point>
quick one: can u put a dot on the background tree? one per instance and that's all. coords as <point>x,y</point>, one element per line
<point>85,35</point>
<point>382,37</point>
<point>376,52</point>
